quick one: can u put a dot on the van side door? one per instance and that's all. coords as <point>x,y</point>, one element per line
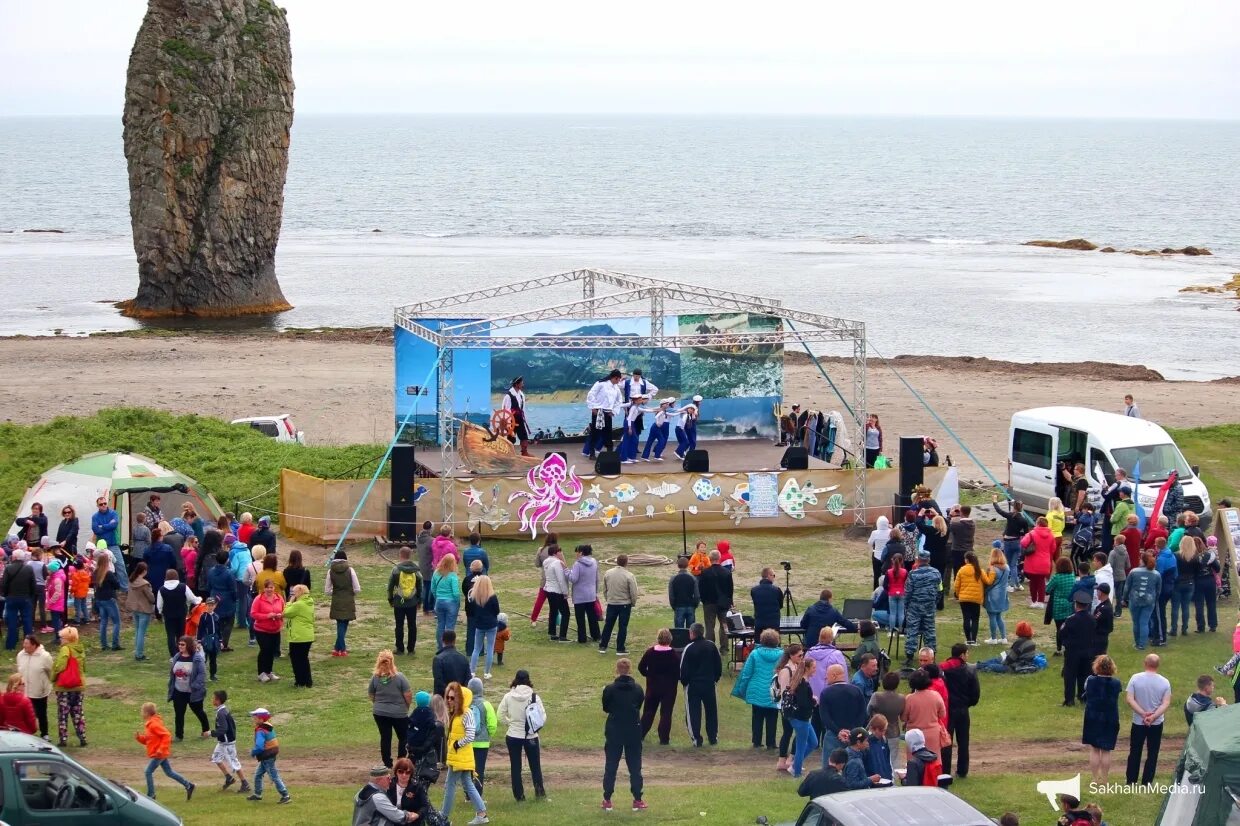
<point>1032,453</point>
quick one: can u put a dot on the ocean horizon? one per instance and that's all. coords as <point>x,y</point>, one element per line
<point>913,225</point>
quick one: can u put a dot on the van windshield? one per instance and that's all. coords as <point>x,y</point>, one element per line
<point>1152,463</point>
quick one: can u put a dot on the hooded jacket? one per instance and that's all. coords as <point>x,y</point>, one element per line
<point>1039,546</point>
<point>824,656</point>
<point>425,733</point>
<point>239,558</point>
<point>55,590</point>
<point>961,533</point>
<point>426,561</point>
<point>919,758</point>
<point>197,676</point>
<point>343,586</point>
<point>485,721</point>
<point>461,733</point>
<point>141,597</point>
<point>754,684</point>
<point>555,576</point>
<point>442,546</point>
<point>159,558</point>
<point>62,662</point>
<point>299,619</point>
<point>395,597</point>
<point>17,711</point>
<point>996,600</point>
<point>36,670</point>
<point>156,737</point>
<point>879,536</point>
<point>820,615</point>
<point>221,585</point>
<point>971,588</point>
<point>584,576</point>
<point>622,703</point>
<point>963,688</point>
<point>512,712</point>
<point>261,609</point>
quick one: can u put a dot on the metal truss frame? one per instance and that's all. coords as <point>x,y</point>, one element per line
<point>651,295</point>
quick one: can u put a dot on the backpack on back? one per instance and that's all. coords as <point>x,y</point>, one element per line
<point>535,716</point>
<point>407,585</point>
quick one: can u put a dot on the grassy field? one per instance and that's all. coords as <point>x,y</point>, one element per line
<point>1020,734</point>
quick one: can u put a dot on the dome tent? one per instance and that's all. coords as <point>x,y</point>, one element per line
<point>1207,776</point>
<point>126,480</point>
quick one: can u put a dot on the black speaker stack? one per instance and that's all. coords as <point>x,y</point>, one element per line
<point>607,463</point>
<point>795,458</point>
<point>402,515</point>
<point>912,473</point>
<point>696,461</point>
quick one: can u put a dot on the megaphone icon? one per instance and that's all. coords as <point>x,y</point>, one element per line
<point>1053,788</point>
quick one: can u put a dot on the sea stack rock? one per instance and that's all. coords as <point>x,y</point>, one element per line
<point>208,111</point>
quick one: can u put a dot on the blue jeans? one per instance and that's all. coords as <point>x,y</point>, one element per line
<point>657,439</point>
<point>483,636</point>
<point>994,665</point>
<point>684,617</point>
<point>17,610</point>
<point>428,596</point>
<point>1141,623</point>
<point>806,742</point>
<point>1181,596</point>
<point>118,567</point>
<point>895,611</point>
<point>449,791</point>
<point>141,621</point>
<point>1011,551</point>
<point>998,630</point>
<point>445,618</point>
<point>160,763</point>
<point>81,612</point>
<point>342,628</point>
<point>109,613</point>
<point>243,606</point>
<point>266,767</point>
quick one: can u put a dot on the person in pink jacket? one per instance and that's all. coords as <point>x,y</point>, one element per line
<point>443,545</point>
<point>1039,547</point>
<point>56,591</point>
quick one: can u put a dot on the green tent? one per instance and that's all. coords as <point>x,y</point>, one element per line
<point>125,480</point>
<point>1207,777</point>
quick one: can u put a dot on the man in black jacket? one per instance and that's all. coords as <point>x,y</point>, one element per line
<point>842,708</point>
<point>822,614</point>
<point>1104,621</point>
<point>683,595</point>
<point>1077,638</point>
<point>715,587</point>
<point>963,692</point>
<point>700,668</point>
<point>622,735</point>
<point>18,588</point>
<point>768,599</point>
<point>826,780</point>
<point>449,665</point>
<point>263,535</point>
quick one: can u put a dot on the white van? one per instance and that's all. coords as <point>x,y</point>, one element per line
<point>278,427</point>
<point>1045,439</point>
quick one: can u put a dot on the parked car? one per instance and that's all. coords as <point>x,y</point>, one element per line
<point>278,427</point>
<point>1044,437</point>
<point>40,784</point>
<point>900,806</point>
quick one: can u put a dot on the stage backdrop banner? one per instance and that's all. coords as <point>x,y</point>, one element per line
<point>739,385</point>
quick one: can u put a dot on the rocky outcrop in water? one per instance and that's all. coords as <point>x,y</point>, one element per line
<point>1088,246</point>
<point>208,111</point>
<point>1074,244</point>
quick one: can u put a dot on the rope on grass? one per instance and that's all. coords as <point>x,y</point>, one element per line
<point>642,560</point>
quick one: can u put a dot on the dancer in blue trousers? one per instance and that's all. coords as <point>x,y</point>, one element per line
<point>659,431</point>
<point>686,429</point>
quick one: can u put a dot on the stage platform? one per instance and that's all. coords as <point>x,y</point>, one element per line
<point>726,456</point>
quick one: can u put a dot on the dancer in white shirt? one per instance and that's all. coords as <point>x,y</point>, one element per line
<point>603,401</point>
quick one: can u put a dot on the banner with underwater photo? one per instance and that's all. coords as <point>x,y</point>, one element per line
<point>739,384</point>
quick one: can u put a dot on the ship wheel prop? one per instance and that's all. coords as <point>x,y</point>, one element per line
<point>503,423</point>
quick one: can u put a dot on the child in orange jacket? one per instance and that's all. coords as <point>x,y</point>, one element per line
<point>158,741</point>
<point>501,637</point>
<point>79,589</point>
<point>700,560</point>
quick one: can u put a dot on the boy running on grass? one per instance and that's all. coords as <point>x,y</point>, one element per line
<point>225,733</point>
<point>158,741</point>
<point>266,750</point>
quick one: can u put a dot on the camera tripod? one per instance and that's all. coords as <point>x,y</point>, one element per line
<point>790,606</point>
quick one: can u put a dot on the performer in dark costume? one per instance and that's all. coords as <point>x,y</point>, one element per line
<point>514,402</point>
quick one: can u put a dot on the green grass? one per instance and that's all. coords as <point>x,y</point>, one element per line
<point>1020,734</point>
<point>1217,451</point>
<point>232,461</point>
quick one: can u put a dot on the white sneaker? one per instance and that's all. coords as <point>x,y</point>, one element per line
<point>262,678</point>
<point>273,676</point>
<point>486,676</point>
<point>658,458</point>
<point>479,820</point>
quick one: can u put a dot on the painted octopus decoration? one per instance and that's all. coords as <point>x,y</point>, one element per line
<point>553,484</point>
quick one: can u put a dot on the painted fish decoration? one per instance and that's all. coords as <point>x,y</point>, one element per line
<point>663,490</point>
<point>586,509</point>
<point>610,516</point>
<point>705,490</point>
<point>793,498</point>
<point>418,493</point>
<point>835,505</point>
<point>740,493</point>
<point>624,492</point>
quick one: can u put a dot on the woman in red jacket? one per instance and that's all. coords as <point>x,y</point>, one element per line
<point>16,710</point>
<point>267,617</point>
<point>1039,547</point>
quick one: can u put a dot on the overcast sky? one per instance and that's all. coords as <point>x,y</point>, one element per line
<point>1095,58</point>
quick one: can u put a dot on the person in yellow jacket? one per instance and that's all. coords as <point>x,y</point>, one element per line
<point>461,730</point>
<point>970,589</point>
<point>1056,519</point>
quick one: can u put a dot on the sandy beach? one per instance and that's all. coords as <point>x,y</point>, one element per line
<point>338,387</point>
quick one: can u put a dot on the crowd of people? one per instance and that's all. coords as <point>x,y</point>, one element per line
<point>874,726</point>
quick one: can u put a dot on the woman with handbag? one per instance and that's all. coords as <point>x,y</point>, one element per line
<point>68,678</point>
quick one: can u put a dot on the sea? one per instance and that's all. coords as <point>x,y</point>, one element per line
<point>913,226</point>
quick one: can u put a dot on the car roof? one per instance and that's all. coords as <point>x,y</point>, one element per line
<point>14,742</point>
<point>277,417</point>
<point>901,806</point>
<point>1116,430</point>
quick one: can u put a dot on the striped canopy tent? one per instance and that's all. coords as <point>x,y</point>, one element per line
<point>126,480</point>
